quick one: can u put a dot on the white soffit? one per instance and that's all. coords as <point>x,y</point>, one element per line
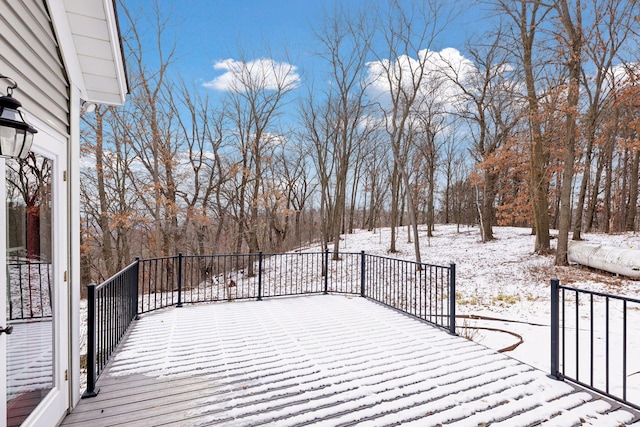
<point>90,42</point>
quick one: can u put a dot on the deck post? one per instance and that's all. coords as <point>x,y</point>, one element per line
<point>260,276</point>
<point>555,329</point>
<point>326,271</point>
<point>91,342</point>
<point>362,274</point>
<point>452,299</point>
<point>136,293</point>
<point>179,280</point>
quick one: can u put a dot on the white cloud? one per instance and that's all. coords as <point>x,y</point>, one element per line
<point>386,75</point>
<point>261,74</point>
<point>624,74</point>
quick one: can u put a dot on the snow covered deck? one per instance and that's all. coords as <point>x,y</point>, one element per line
<point>323,361</point>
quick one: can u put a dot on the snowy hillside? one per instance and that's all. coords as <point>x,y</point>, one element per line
<point>501,279</point>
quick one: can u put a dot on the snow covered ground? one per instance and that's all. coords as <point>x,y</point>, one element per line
<point>504,280</point>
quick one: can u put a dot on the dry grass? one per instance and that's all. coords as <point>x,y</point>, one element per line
<point>578,273</point>
<point>506,299</point>
<point>467,331</point>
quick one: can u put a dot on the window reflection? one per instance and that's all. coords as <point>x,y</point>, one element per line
<point>30,280</point>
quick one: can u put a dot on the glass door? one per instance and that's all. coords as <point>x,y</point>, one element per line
<point>35,300</point>
<point>30,346</point>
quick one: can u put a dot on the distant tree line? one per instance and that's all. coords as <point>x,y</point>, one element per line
<point>537,125</point>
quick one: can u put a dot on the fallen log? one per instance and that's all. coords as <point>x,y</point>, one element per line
<point>622,261</point>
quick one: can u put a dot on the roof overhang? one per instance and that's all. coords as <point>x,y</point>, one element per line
<point>89,39</point>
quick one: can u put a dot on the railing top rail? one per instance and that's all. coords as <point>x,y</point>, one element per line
<point>410,262</point>
<point>29,263</point>
<point>255,254</point>
<point>269,254</point>
<point>115,276</point>
<point>600,294</point>
<point>160,258</point>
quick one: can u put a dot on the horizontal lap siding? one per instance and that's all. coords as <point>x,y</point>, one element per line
<point>29,54</point>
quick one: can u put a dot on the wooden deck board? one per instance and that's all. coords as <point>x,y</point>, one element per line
<point>152,397</point>
<point>301,361</point>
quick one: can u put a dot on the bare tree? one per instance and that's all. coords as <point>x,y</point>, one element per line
<point>335,123</point>
<point>147,122</point>
<point>205,169</point>
<point>487,102</point>
<point>571,35</point>
<point>294,185</point>
<point>258,92</point>
<point>109,207</point>
<point>604,38</point>
<point>452,156</point>
<point>527,17</point>
<point>376,182</point>
<point>97,149</point>
<point>401,73</point>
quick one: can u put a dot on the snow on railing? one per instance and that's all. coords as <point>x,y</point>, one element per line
<point>591,335</point>
<point>422,290</point>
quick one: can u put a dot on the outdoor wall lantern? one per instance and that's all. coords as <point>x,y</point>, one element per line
<point>16,135</point>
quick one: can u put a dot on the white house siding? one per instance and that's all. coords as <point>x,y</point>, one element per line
<point>29,54</point>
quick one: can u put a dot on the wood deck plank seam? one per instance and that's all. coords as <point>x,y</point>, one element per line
<point>134,400</point>
<point>378,380</point>
<point>264,375</point>
<point>402,394</point>
<point>469,399</point>
<point>573,400</point>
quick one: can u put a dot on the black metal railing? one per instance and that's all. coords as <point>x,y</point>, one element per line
<point>591,342</point>
<point>172,281</point>
<point>29,290</point>
<point>422,290</point>
<point>111,307</point>
<point>419,289</point>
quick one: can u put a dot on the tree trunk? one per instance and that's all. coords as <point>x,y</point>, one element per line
<point>586,175</point>
<point>608,182</point>
<point>574,65</point>
<point>633,193</point>
<point>394,207</point>
<point>537,163</point>
<point>105,227</point>
<point>488,199</point>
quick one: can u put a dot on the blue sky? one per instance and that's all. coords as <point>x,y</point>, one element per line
<point>209,31</point>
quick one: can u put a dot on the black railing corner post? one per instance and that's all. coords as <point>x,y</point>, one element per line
<point>326,271</point>
<point>555,329</point>
<point>179,280</point>
<point>363,267</point>
<point>259,276</point>
<point>452,299</point>
<point>137,292</point>
<point>91,390</point>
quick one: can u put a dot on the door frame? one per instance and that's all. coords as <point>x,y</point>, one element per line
<point>3,293</point>
<point>51,144</point>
